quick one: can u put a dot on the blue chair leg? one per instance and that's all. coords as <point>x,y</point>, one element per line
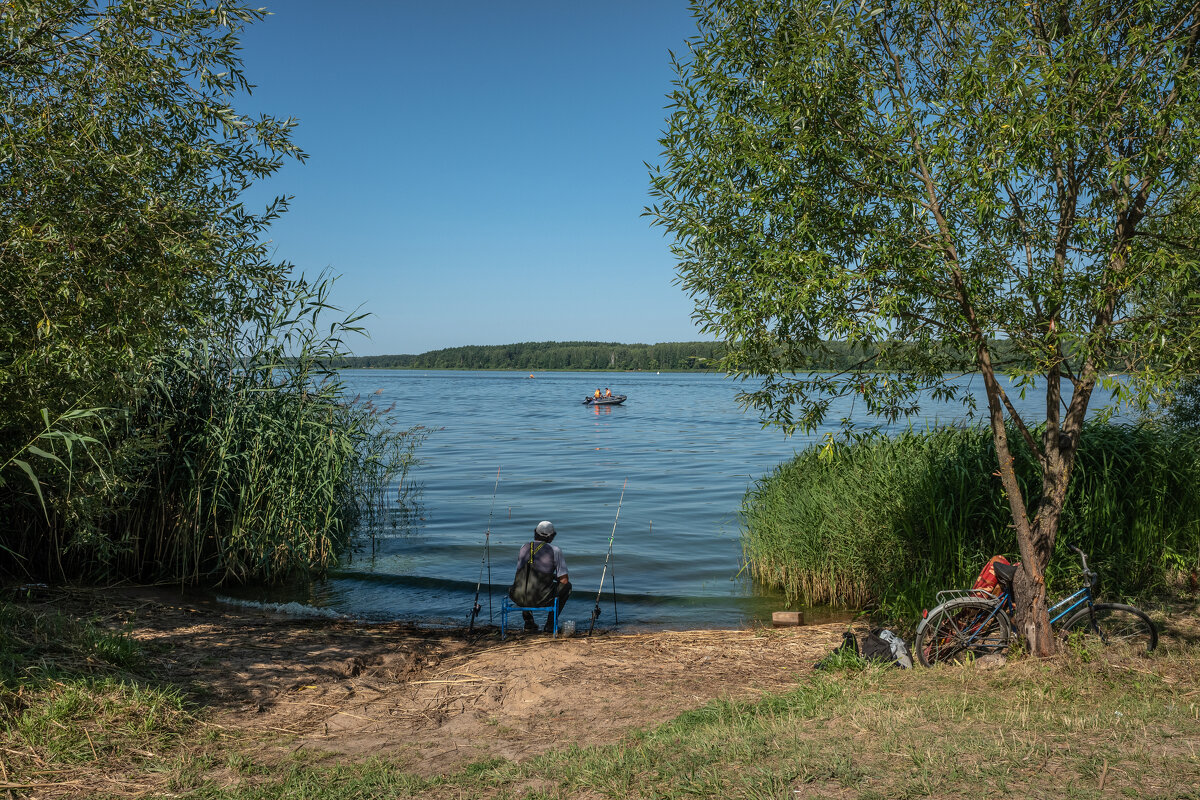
<point>506,606</point>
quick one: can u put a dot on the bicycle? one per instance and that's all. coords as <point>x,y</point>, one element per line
<point>972,622</point>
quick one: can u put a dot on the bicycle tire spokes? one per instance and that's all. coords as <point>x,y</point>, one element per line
<point>959,634</point>
<point>1115,625</point>
<point>977,629</point>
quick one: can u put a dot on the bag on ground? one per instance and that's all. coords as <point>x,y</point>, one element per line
<point>880,645</point>
<point>886,647</point>
<point>849,645</point>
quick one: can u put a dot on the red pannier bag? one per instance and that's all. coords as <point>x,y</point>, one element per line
<point>987,580</point>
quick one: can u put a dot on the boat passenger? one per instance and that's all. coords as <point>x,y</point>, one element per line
<point>597,394</point>
<point>541,576</point>
<point>607,392</point>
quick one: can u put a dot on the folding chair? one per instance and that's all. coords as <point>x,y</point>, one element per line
<point>507,605</point>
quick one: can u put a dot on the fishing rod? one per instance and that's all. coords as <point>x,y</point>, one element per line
<point>607,558</point>
<point>487,559</point>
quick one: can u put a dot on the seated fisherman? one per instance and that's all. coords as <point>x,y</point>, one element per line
<point>607,392</point>
<point>541,576</point>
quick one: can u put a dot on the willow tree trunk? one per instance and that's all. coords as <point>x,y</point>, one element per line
<point>1034,540</point>
<point>1055,455</point>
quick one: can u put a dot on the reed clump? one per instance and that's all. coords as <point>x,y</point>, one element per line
<point>237,460</point>
<point>888,521</point>
<point>169,407</point>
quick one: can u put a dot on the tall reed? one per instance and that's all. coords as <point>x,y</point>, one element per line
<point>892,520</point>
<point>242,459</point>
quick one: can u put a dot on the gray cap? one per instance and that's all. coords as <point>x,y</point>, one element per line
<point>545,529</point>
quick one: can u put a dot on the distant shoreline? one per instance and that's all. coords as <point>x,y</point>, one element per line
<point>828,356</point>
<point>555,356</point>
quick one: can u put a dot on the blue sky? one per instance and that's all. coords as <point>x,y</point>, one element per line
<point>475,168</point>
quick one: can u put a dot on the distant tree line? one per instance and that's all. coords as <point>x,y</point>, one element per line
<point>589,356</point>
<point>595,356</point>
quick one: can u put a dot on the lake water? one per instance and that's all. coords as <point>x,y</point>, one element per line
<point>680,448</point>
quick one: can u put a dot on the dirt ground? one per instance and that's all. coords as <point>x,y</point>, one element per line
<point>438,700</point>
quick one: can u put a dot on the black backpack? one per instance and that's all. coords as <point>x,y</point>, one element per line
<point>886,647</point>
<point>880,645</point>
<point>531,588</point>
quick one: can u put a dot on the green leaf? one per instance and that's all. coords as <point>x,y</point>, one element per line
<point>37,485</point>
<point>37,451</point>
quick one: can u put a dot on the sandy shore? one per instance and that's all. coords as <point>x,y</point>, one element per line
<point>437,700</point>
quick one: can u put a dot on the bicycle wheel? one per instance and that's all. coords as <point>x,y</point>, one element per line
<point>961,629</point>
<point>1116,624</point>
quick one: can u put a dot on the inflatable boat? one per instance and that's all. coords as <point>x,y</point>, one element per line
<point>615,400</point>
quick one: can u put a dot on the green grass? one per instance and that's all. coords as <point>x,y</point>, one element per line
<point>74,695</point>
<point>890,521</point>
<point>1055,728</point>
<point>887,734</point>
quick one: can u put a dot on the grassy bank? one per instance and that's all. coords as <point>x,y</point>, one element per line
<point>1068,729</point>
<point>893,520</point>
<point>77,700</point>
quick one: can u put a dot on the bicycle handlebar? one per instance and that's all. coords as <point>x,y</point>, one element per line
<point>1088,574</point>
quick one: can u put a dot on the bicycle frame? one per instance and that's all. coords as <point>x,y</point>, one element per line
<point>1081,597</point>
<point>977,622</point>
<point>1085,598</point>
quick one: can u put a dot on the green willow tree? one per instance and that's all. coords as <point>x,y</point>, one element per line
<point>169,410</point>
<point>122,166</point>
<point>122,231</point>
<point>928,174</point>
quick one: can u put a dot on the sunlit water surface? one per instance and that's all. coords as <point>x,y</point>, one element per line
<point>680,448</point>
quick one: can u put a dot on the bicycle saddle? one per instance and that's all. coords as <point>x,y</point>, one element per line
<point>1005,572</point>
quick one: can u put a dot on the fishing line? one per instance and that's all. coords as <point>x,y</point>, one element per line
<point>607,558</point>
<point>487,559</point>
